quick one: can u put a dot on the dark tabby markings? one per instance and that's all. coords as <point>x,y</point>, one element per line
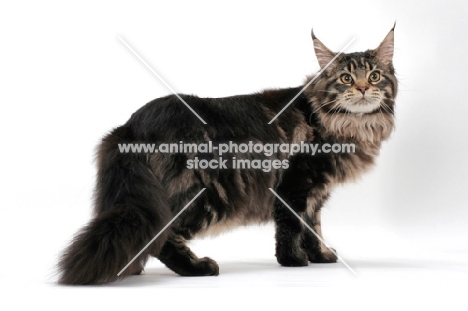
<point>137,194</point>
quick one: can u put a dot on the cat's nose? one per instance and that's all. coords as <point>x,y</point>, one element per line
<point>363,89</point>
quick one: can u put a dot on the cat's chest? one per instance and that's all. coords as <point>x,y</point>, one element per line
<point>357,159</point>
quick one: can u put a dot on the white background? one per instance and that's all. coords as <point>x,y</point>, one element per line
<point>66,80</point>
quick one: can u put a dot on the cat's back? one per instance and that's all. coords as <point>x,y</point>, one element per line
<point>240,117</point>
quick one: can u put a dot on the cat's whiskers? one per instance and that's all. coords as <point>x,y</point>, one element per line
<point>382,106</point>
<point>323,105</point>
<point>380,111</point>
<point>320,107</point>
<point>337,108</point>
<point>326,91</point>
<point>386,107</point>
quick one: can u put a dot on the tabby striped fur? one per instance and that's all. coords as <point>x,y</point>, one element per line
<point>137,194</point>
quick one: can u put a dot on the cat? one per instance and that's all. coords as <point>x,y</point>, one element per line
<point>137,194</point>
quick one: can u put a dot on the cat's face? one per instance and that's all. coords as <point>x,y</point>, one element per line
<point>357,83</point>
<point>361,85</point>
<point>354,94</point>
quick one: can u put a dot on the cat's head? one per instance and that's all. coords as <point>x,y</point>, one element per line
<point>356,91</point>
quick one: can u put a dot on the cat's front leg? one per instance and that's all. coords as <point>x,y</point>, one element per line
<point>313,242</point>
<point>289,250</point>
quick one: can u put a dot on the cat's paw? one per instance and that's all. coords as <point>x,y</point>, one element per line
<point>205,267</point>
<point>325,255</point>
<point>137,270</point>
<point>297,258</point>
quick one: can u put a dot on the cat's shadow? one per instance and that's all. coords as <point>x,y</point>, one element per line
<point>233,273</point>
<point>164,277</point>
<point>238,270</point>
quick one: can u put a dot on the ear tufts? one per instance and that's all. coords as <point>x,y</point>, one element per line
<point>324,55</point>
<point>312,34</point>
<point>384,51</point>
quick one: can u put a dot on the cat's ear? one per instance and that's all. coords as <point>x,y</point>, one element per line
<point>384,52</point>
<point>324,55</point>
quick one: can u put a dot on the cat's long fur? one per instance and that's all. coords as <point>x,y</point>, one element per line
<point>138,194</point>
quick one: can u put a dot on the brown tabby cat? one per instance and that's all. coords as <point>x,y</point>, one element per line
<point>138,193</point>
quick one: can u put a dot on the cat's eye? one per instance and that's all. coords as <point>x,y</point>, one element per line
<point>346,78</point>
<point>374,76</point>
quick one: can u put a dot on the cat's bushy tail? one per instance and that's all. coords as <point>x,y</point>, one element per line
<point>131,208</point>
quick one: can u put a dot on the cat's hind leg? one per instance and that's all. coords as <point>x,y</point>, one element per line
<point>178,257</point>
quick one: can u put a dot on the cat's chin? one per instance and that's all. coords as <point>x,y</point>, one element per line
<point>363,107</point>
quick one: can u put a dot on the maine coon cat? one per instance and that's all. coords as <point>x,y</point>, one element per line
<point>138,193</point>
